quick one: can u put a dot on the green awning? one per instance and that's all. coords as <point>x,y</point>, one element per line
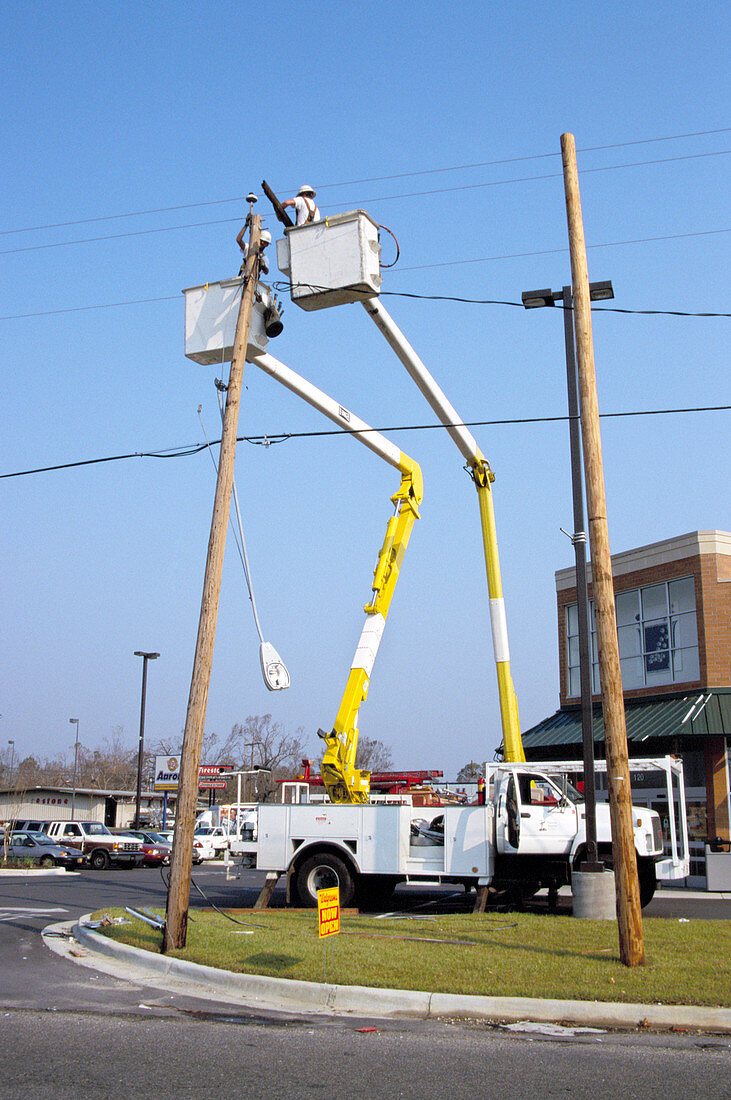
<point>700,714</point>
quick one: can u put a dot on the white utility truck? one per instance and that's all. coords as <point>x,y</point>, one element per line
<point>529,833</point>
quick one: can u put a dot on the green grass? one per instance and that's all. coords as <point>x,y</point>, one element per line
<point>518,954</point>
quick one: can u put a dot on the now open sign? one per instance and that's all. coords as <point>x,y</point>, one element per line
<point>328,911</point>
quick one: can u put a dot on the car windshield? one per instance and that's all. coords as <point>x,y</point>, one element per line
<point>41,838</point>
<point>156,838</point>
<point>204,830</point>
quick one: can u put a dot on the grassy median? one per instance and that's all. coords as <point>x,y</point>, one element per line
<point>510,954</point>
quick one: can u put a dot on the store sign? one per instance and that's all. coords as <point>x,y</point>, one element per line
<point>167,773</point>
<point>212,777</point>
<point>328,911</point>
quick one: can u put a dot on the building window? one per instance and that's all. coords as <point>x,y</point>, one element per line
<point>657,633</point>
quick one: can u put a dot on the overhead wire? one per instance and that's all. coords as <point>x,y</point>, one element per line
<point>376,199</point>
<point>283,285</point>
<point>269,438</point>
<point>369,179</point>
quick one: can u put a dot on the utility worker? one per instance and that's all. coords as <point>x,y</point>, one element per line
<point>304,205</point>
<point>264,240</point>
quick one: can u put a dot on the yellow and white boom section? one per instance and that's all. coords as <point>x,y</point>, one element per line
<point>482,476</point>
<point>343,781</point>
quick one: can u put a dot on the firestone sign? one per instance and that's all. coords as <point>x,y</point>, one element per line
<point>167,772</point>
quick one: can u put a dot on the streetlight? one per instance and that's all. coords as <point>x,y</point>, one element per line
<point>75,722</point>
<point>12,760</point>
<point>534,299</point>
<point>145,658</point>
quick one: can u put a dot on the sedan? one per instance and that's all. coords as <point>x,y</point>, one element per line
<point>202,848</point>
<point>42,850</point>
<point>155,848</point>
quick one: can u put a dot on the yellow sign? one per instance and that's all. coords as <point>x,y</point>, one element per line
<point>328,911</point>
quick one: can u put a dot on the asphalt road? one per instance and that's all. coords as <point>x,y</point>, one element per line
<point>69,1031</point>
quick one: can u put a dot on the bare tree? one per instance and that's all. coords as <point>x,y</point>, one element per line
<point>470,773</point>
<point>266,745</point>
<point>257,743</point>
<point>372,755</point>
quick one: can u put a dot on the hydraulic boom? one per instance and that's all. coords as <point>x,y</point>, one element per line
<point>482,476</point>
<point>343,781</point>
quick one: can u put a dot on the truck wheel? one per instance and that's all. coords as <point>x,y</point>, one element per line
<point>99,859</point>
<point>319,873</point>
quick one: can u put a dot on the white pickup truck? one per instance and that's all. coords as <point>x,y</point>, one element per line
<point>529,833</point>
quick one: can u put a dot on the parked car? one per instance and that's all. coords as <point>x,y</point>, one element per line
<point>156,849</point>
<point>44,851</point>
<point>202,848</point>
<point>216,835</point>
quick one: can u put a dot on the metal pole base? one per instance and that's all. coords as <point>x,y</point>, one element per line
<point>594,895</point>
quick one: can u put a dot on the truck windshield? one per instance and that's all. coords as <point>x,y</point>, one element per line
<point>95,828</point>
<point>568,789</point>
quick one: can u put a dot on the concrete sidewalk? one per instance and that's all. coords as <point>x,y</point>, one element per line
<point>284,995</point>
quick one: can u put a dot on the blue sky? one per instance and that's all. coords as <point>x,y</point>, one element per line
<point>446,128</point>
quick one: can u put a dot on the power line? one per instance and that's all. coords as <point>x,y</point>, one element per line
<point>516,160</point>
<point>344,205</point>
<point>367,179</point>
<point>430,297</point>
<point>269,438</point>
<point>558,251</point>
<point>285,286</point>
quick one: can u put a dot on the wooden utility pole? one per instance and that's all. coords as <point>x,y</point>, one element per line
<point>629,913</point>
<point>176,924</point>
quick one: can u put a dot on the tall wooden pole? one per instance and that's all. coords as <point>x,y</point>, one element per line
<point>176,924</point>
<point>629,913</point>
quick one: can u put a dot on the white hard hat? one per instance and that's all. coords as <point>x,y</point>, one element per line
<point>266,237</point>
<point>305,189</point>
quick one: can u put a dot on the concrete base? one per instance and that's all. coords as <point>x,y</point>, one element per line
<point>594,896</point>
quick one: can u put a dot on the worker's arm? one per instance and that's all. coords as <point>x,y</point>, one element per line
<point>240,238</point>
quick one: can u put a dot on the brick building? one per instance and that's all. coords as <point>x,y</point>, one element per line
<point>673,602</point>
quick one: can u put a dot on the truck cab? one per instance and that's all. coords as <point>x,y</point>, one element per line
<point>540,830</point>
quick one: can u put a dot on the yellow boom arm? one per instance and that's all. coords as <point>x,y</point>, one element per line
<point>343,781</point>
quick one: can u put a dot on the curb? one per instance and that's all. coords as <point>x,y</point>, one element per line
<point>284,994</point>
<point>33,872</point>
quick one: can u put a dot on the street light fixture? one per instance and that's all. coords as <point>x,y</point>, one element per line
<point>75,722</point>
<point>534,299</point>
<point>145,658</point>
<point>12,761</point>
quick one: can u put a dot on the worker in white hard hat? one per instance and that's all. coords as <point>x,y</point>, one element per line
<point>304,204</point>
<point>264,240</point>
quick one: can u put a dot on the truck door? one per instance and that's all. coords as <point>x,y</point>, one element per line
<point>534,817</point>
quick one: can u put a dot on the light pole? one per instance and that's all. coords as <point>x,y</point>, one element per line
<point>533,299</point>
<point>12,761</point>
<point>75,722</point>
<point>145,658</point>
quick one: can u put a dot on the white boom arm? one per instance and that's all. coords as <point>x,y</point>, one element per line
<point>482,476</point>
<point>345,782</point>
